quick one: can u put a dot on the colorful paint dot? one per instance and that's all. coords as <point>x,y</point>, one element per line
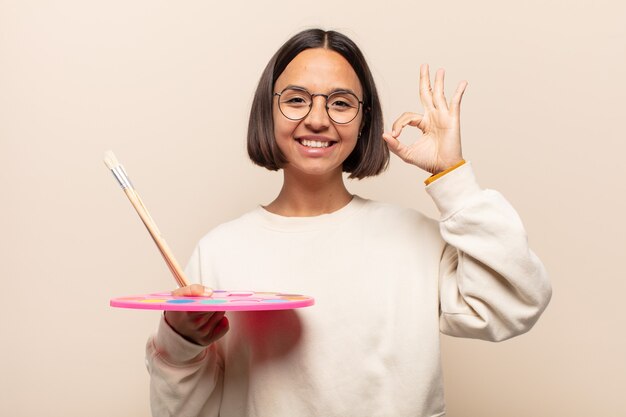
<point>293,297</point>
<point>180,301</point>
<point>213,301</point>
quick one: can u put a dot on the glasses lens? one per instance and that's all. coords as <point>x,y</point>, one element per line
<point>294,104</point>
<point>342,106</point>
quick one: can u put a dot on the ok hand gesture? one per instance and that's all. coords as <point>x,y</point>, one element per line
<point>439,147</point>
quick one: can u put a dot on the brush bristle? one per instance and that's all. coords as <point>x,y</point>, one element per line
<point>110,160</point>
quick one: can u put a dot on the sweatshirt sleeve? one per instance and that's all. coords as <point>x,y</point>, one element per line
<point>185,378</point>
<point>491,285</point>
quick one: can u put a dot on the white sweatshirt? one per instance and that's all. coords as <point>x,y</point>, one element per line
<point>386,281</point>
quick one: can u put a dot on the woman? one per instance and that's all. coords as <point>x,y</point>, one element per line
<point>386,280</point>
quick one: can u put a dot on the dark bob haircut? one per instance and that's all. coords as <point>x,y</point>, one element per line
<point>370,156</point>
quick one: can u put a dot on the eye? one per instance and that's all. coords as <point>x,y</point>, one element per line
<point>341,102</point>
<point>294,100</point>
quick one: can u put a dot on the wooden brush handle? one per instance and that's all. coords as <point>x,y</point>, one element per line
<point>167,254</point>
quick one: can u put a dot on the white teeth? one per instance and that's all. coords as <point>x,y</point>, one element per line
<point>315,143</point>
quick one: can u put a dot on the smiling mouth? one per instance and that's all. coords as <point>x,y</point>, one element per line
<point>315,143</point>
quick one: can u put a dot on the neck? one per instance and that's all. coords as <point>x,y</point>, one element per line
<point>307,195</point>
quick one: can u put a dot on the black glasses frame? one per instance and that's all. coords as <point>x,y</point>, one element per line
<point>326,96</point>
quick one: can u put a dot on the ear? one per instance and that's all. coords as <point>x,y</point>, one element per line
<point>364,120</point>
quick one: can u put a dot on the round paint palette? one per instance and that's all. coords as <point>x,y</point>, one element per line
<point>219,301</point>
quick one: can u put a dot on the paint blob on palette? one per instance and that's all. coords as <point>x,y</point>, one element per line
<point>220,300</point>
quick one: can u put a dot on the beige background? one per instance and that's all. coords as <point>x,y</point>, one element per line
<point>167,85</point>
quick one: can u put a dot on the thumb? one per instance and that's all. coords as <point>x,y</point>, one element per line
<point>393,143</point>
<point>193,290</point>
<point>396,147</point>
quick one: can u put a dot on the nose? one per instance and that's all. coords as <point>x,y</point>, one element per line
<point>317,119</point>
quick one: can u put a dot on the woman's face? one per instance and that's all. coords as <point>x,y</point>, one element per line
<point>316,145</point>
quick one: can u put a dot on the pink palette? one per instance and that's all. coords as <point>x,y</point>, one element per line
<point>219,301</point>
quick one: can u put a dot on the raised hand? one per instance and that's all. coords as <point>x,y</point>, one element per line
<point>439,147</point>
<point>199,327</point>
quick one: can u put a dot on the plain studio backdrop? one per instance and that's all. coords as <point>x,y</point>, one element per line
<point>167,85</point>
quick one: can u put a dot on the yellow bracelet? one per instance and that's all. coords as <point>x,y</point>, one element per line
<point>442,173</point>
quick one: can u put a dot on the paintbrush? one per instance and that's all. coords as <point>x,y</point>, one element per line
<point>120,174</point>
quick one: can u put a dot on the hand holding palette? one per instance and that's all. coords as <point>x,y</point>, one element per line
<point>219,301</point>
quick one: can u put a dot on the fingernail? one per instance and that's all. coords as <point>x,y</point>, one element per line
<point>207,291</point>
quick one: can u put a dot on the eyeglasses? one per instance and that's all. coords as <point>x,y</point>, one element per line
<point>296,103</point>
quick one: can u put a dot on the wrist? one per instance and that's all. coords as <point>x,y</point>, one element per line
<point>175,330</point>
<point>174,348</point>
<point>437,175</point>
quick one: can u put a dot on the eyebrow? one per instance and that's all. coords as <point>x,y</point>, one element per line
<point>334,90</point>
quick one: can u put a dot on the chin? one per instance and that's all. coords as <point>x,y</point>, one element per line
<point>314,170</point>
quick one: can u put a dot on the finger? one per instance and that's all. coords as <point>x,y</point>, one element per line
<point>193,290</point>
<point>208,331</point>
<point>455,101</point>
<point>220,330</point>
<point>395,146</point>
<point>439,98</point>
<point>411,119</point>
<point>426,93</point>
<point>199,318</point>
<point>216,330</point>
<point>212,321</point>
